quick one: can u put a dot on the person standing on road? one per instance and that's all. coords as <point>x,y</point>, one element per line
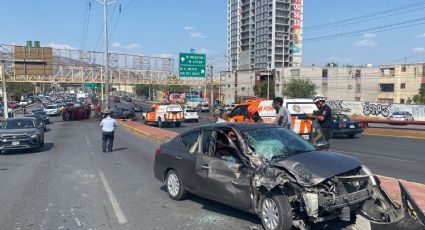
<point>108,125</point>
<point>323,115</point>
<point>283,117</point>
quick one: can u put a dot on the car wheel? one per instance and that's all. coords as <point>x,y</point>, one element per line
<point>160,123</point>
<point>276,212</point>
<point>351,135</point>
<point>174,184</point>
<point>178,124</point>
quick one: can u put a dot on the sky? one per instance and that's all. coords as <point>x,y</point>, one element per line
<point>167,27</point>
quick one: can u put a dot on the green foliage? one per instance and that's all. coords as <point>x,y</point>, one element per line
<point>420,97</point>
<point>144,89</point>
<point>261,89</point>
<point>18,89</point>
<point>299,88</point>
<point>332,64</point>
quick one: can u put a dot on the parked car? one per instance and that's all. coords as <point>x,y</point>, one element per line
<point>23,103</point>
<point>401,116</point>
<point>42,114</point>
<point>272,172</point>
<point>123,113</point>
<point>190,115</point>
<point>52,110</point>
<point>13,105</point>
<point>343,125</point>
<point>203,107</point>
<point>39,119</point>
<point>22,133</point>
<point>138,108</point>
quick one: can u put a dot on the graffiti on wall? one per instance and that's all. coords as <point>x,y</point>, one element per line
<point>376,109</point>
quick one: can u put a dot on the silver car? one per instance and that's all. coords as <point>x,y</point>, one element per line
<point>402,116</point>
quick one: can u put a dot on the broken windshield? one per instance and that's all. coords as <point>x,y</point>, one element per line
<point>275,143</point>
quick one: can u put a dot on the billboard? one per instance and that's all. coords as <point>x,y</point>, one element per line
<point>297,31</point>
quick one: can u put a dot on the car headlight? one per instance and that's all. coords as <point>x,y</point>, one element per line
<point>369,172</point>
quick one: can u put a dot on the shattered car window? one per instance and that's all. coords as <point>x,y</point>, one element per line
<point>274,143</point>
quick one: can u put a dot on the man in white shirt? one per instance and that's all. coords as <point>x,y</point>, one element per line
<point>108,125</point>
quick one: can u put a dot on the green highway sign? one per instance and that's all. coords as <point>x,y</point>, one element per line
<point>192,65</point>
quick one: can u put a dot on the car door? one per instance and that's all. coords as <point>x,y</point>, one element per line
<point>221,178</point>
<point>185,152</point>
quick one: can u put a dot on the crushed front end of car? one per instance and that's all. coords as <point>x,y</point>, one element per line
<point>352,199</point>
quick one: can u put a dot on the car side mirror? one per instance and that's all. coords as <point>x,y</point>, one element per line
<point>323,145</point>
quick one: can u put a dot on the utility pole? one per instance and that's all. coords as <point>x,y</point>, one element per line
<point>105,4</point>
<point>212,87</point>
<point>268,84</point>
<point>5,107</point>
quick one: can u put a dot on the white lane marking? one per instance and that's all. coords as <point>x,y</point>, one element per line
<point>87,140</point>
<point>383,157</point>
<point>115,205</point>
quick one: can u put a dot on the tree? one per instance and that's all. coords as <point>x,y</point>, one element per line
<point>299,88</point>
<point>18,89</point>
<point>261,89</point>
<point>332,64</point>
<point>420,97</point>
<point>142,90</point>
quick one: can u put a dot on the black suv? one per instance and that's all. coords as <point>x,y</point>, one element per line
<point>22,133</point>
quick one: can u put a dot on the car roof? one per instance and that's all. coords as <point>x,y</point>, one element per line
<point>21,118</point>
<point>235,125</point>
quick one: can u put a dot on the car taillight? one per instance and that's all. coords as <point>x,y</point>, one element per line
<point>157,151</point>
<point>342,125</point>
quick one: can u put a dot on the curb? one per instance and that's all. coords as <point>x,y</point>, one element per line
<point>142,133</point>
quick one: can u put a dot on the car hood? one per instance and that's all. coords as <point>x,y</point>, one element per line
<point>17,131</point>
<point>312,168</point>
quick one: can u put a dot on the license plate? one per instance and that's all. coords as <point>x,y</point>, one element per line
<point>15,143</point>
<point>352,126</point>
<point>306,137</point>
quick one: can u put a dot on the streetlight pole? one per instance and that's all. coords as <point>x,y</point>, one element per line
<point>105,4</point>
<point>268,84</point>
<point>5,105</point>
<point>106,57</point>
<point>212,87</point>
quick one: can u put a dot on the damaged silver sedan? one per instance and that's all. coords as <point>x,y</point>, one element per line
<point>275,174</point>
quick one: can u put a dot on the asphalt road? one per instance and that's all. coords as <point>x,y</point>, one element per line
<point>71,184</point>
<point>401,158</point>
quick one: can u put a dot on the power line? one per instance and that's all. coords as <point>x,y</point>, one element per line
<point>370,15</point>
<point>364,20</point>
<point>387,27</point>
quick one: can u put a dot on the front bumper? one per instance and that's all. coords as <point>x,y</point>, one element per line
<point>11,144</point>
<point>347,131</point>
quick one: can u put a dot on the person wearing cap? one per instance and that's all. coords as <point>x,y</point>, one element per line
<point>323,115</point>
<point>108,125</point>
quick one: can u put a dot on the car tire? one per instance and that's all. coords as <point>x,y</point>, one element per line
<point>276,212</point>
<point>174,185</point>
<point>351,135</point>
<point>160,123</point>
<point>178,124</point>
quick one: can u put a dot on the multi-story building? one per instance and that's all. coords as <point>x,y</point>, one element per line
<point>399,83</point>
<point>264,34</point>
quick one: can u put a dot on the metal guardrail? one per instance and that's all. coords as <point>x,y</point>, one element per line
<point>365,122</point>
